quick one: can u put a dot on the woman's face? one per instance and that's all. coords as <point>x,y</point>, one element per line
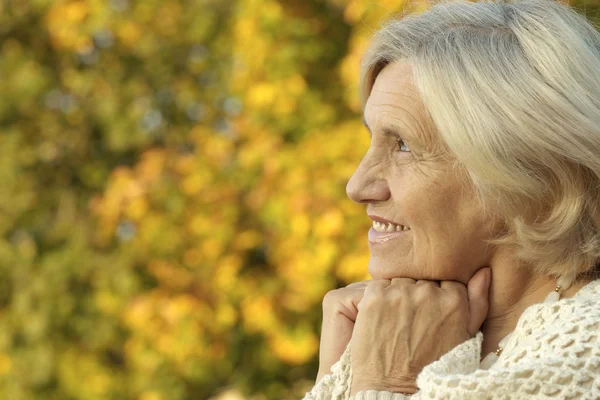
<point>407,178</point>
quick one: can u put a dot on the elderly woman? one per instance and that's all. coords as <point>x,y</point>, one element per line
<point>483,184</point>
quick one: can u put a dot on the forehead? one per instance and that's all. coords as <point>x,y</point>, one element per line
<point>394,97</point>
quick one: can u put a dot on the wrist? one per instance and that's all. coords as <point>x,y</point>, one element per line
<point>322,372</point>
<point>405,386</point>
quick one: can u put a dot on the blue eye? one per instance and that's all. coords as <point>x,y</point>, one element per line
<point>402,146</point>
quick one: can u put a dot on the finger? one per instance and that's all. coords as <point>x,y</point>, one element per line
<point>377,285</point>
<point>374,288</point>
<point>478,293</point>
<point>342,301</point>
<point>349,305</point>
<point>454,287</point>
<point>396,281</point>
<point>358,284</point>
<point>428,282</point>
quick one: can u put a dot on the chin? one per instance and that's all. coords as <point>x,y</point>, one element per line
<point>386,270</point>
<point>379,269</point>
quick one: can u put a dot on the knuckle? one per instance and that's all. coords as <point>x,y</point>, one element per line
<point>427,288</point>
<point>338,300</point>
<point>378,282</point>
<point>454,301</point>
<point>331,297</point>
<point>371,302</point>
<point>430,287</point>
<point>423,293</point>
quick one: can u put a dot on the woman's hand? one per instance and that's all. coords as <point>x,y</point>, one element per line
<point>404,325</point>
<point>340,307</point>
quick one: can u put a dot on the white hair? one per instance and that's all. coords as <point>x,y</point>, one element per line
<point>513,89</point>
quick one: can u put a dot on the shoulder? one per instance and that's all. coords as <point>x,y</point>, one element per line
<point>554,352</point>
<point>584,307</point>
<point>566,329</point>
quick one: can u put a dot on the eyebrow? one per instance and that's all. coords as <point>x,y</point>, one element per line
<point>364,121</point>
<point>387,131</point>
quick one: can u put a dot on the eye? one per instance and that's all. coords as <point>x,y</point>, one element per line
<point>402,147</point>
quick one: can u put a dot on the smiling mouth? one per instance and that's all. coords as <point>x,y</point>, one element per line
<point>381,227</point>
<point>384,236</point>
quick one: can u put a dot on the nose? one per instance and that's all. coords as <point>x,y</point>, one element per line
<point>367,185</point>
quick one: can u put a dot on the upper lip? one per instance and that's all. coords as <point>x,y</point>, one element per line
<point>383,220</point>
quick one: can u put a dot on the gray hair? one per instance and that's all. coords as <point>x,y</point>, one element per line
<point>513,89</point>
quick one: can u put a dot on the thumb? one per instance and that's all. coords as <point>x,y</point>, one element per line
<point>478,291</point>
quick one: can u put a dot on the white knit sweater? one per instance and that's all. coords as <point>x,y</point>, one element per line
<point>554,353</point>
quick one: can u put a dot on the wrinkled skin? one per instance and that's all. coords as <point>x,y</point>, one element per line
<point>430,287</point>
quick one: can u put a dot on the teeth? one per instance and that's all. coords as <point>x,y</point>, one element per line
<point>381,227</point>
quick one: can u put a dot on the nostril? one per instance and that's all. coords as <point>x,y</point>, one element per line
<point>371,192</point>
<point>352,189</point>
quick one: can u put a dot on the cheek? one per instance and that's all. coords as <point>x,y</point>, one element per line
<point>459,247</point>
<point>447,230</point>
<point>431,206</point>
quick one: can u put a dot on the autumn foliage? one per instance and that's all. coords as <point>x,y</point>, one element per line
<point>172,203</point>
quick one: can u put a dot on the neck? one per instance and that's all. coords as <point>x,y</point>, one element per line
<point>512,290</point>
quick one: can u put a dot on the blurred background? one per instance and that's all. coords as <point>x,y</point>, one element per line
<point>172,192</point>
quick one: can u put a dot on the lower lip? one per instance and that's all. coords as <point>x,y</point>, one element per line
<point>382,237</point>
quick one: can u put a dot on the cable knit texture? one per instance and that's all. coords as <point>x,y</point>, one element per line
<point>554,353</point>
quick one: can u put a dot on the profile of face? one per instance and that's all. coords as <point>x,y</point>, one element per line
<point>408,179</point>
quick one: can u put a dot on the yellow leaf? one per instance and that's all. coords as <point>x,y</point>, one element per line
<point>5,364</point>
<point>226,316</point>
<point>259,315</point>
<point>354,268</point>
<point>329,224</point>
<point>136,209</point>
<point>296,346</point>
<point>261,95</point>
